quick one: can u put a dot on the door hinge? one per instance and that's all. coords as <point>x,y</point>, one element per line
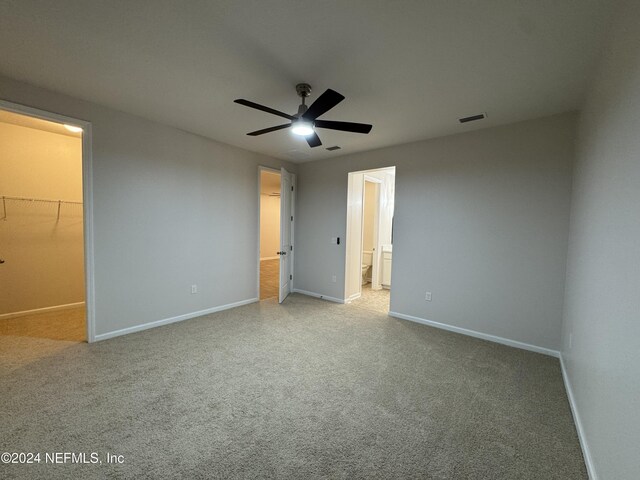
<point>292,218</point>
<point>290,277</point>
<point>291,248</point>
<point>292,188</point>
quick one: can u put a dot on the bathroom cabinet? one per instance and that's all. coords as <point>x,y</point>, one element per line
<point>386,268</point>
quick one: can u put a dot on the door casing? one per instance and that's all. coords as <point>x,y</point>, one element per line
<point>87,200</point>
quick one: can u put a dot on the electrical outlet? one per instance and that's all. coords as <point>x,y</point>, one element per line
<point>333,279</point>
<point>194,289</point>
<point>427,296</point>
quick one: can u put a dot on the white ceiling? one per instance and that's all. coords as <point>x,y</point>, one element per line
<point>409,67</point>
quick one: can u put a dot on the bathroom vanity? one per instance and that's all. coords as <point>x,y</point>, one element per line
<point>387,251</point>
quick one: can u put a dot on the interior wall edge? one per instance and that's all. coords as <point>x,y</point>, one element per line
<point>582,437</point>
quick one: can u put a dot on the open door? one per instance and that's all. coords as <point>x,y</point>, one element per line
<point>286,248</point>
<point>371,226</point>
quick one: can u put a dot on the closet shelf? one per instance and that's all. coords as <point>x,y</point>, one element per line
<point>59,203</point>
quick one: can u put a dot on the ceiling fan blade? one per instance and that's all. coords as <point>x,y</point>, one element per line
<point>344,126</point>
<point>324,103</point>
<point>313,140</point>
<point>268,130</point>
<point>257,106</point>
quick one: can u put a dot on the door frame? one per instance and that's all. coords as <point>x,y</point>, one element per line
<point>350,241</point>
<point>294,190</point>
<point>87,201</point>
<point>262,168</point>
<point>286,196</point>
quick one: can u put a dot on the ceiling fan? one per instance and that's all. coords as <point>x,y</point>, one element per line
<point>306,120</point>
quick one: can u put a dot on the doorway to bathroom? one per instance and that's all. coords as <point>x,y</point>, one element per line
<point>369,239</point>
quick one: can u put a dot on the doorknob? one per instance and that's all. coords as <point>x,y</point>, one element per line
<point>1,261</point>
<point>281,253</point>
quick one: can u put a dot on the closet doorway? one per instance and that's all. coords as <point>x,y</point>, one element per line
<point>43,254</point>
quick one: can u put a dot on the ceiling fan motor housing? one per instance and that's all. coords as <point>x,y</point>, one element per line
<point>303,89</point>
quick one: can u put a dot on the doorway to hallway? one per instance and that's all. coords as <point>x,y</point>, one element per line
<point>269,233</point>
<point>275,271</point>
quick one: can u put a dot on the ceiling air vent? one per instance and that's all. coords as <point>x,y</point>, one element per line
<point>335,147</point>
<point>472,118</point>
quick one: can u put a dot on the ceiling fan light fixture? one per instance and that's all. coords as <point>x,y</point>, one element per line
<point>302,128</point>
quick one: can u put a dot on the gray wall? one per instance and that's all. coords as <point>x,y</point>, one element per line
<point>171,209</point>
<point>481,221</point>
<point>602,307</point>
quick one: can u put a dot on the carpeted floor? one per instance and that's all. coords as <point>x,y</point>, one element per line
<point>308,389</point>
<point>376,300</point>
<point>68,324</point>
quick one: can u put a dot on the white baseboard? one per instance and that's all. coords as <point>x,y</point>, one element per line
<point>41,310</point>
<point>317,295</point>
<point>269,258</point>
<point>473,333</point>
<point>586,453</point>
<point>167,321</point>
<point>353,297</point>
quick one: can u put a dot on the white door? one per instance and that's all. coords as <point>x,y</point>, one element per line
<point>285,235</point>
<point>374,218</point>
<point>375,258</point>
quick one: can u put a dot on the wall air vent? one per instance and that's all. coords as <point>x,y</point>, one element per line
<point>335,147</point>
<point>472,118</point>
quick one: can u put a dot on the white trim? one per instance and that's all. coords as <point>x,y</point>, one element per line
<point>294,184</point>
<point>261,168</point>
<point>317,295</point>
<point>586,453</point>
<point>275,257</point>
<point>473,333</point>
<point>167,321</point>
<point>353,297</point>
<point>87,200</point>
<point>375,252</point>
<point>41,310</point>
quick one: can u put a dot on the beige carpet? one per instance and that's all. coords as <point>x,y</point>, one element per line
<point>376,300</point>
<point>309,389</point>
<point>68,324</point>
